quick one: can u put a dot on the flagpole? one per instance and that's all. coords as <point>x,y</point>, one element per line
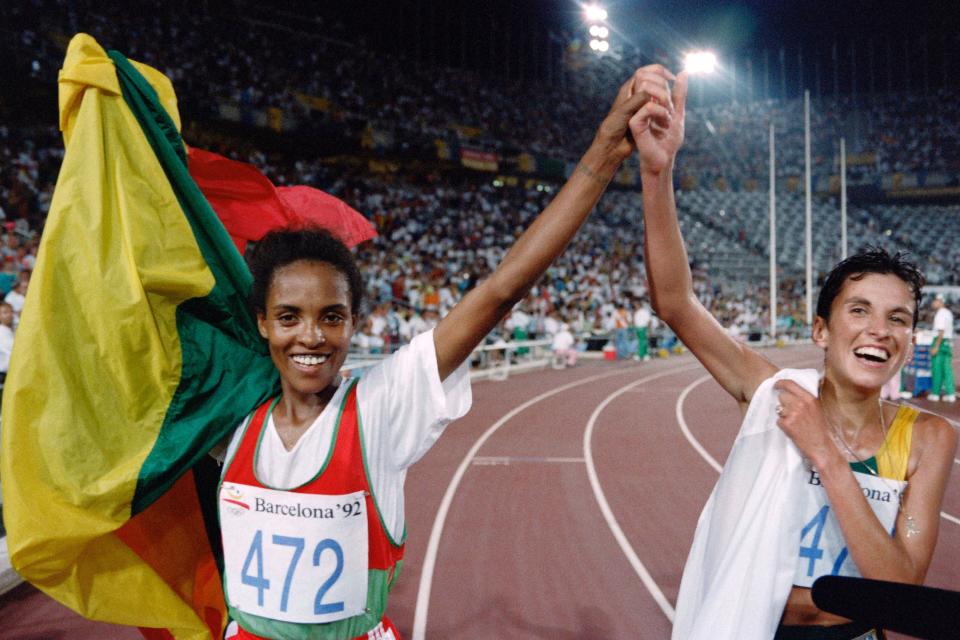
<point>773,235</point>
<point>808,227</point>
<point>843,198</point>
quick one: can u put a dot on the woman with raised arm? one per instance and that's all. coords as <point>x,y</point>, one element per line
<point>824,478</point>
<point>311,501</point>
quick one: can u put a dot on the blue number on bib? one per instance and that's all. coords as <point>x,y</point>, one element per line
<point>297,544</point>
<point>839,563</point>
<point>814,552</point>
<point>259,582</point>
<point>318,605</point>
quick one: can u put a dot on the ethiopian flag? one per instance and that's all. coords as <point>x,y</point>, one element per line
<point>135,355</point>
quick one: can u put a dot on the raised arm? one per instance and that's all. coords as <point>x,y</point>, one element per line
<point>480,310</point>
<point>737,368</point>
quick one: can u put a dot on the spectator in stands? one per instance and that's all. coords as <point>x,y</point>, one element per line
<point>564,346</point>
<point>6,338</point>
<point>431,317</point>
<point>367,340</point>
<point>625,337</point>
<point>18,295</point>
<point>412,326</point>
<point>378,321</point>
<point>8,275</point>
<point>518,323</point>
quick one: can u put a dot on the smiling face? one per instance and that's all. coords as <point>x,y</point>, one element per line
<point>308,323</point>
<point>870,331</point>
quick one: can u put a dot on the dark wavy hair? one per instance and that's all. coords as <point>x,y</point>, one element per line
<point>871,260</point>
<point>281,247</point>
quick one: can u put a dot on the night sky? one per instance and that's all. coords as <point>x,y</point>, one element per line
<point>514,38</point>
<point>772,23</point>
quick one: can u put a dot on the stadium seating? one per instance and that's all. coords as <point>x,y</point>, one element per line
<point>441,227</point>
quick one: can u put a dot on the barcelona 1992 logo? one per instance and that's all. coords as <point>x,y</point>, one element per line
<point>233,496</point>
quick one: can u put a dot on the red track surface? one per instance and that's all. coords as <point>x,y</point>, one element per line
<point>525,550</point>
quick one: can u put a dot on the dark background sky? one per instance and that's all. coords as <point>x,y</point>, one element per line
<point>740,24</point>
<point>747,24</point>
<point>513,38</point>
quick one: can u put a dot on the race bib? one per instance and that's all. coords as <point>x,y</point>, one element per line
<point>823,551</point>
<point>292,556</point>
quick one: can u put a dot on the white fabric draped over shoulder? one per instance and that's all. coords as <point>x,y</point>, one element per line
<point>740,569</point>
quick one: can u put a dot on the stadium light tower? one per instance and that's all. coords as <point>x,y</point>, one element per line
<point>595,13</point>
<point>596,16</point>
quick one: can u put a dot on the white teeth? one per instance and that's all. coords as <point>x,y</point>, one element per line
<point>309,360</point>
<point>872,353</point>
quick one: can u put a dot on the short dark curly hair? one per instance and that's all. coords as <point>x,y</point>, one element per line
<point>871,260</point>
<point>281,247</point>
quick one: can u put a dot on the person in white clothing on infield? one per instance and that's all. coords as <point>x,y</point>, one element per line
<point>941,353</point>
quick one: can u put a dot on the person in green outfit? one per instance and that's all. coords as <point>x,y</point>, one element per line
<point>941,353</point>
<point>641,324</point>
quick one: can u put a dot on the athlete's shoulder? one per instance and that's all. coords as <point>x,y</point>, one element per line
<point>934,433</point>
<point>926,419</point>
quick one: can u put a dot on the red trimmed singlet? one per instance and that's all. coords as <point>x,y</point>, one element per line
<point>345,473</point>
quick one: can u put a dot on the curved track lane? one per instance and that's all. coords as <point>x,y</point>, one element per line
<point>526,550</point>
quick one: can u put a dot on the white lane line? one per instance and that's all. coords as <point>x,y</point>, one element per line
<point>713,463</point>
<point>686,429</point>
<point>433,545</point>
<point>507,460</point>
<point>615,528</point>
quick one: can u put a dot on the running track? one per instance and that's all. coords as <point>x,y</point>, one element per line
<point>561,507</point>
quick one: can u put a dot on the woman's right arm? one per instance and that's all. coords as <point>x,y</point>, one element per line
<point>737,368</point>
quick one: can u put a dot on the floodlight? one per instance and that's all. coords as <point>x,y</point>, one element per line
<point>604,45</point>
<point>700,62</point>
<point>595,13</point>
<point>595,44</point>
<point>595,30</point>
<point>602,32</point>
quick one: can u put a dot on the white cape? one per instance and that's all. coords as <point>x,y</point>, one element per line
<point>740,568</point>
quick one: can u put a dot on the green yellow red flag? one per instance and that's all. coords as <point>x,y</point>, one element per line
<point>136,353</point>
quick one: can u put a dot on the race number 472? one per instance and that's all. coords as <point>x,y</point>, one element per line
<point>252,573</point>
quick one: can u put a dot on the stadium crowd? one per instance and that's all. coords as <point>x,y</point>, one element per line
<point>440,234</point>
<point>220,58</point>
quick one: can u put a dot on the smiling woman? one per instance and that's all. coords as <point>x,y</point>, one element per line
<point>866,313</point>
<point>343,448</point>
<point>324,446</point>
<point>306,288</point>
<point>794,500</point>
